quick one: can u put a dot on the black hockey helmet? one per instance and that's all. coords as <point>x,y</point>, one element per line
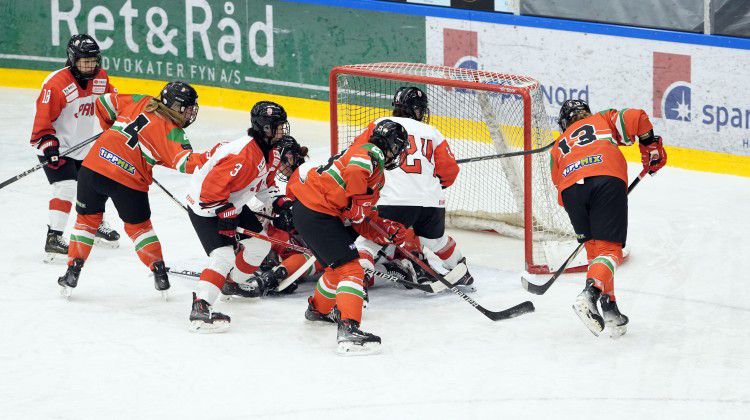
<point>83,46</point>
<point>181,98</point>
<point>411,102</point>
<point>569,110</point>
<point>266,118</point>
<point>392,139</point>
<point>292,155</point>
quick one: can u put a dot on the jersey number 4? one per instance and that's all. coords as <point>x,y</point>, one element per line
<point>582,136</point>
<point>415,167</point>
<point>131,130</point>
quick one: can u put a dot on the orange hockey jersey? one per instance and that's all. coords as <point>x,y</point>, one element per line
<point>136,141</point>
<point>589,147</point>
<point>357,170</point>
<point>65,110</point>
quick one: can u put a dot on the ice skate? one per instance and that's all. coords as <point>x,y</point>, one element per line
<point>616,323</point>
<point>204,320</point>
<point>55,248</point>
<point>585,308</point>
<point>161,279</point>
<point>69,280</point>
<point>245,290</point>
<point>312,314</point>
<point>354,342</point>
<point>460,276</point>
<point>269,280</point>
<point>106,236</point>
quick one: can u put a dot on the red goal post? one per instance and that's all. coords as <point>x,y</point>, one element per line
<point>480,113</point>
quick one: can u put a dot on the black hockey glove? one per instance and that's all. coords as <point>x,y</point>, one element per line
<point>50,146</point>
<point>282,207</point>
<point>228,222</point>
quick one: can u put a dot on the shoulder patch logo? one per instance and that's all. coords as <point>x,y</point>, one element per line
<point>100,82</point>
<point>67,90</point>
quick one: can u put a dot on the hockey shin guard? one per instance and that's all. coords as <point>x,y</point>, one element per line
<point>445,249</point>
<point>251,254</point>
<point>147,244</point>
<point>350,293</point>
<point>603,265</point>
<point>82,236</point>
<point>213,277</point>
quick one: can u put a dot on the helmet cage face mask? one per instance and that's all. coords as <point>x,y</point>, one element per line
<point>190,114</point>
<point>83,46</point>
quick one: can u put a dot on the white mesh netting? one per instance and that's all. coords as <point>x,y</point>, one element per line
<point>477,120</point>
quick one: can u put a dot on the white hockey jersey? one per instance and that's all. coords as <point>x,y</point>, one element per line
<point>235,173</point>
<point>429,167</point>
<point>67,111</point>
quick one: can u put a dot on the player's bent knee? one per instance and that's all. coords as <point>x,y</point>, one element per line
<point>221,260</point>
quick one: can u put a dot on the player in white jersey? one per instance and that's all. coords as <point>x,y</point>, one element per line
<point>217,204</point>
<point>413,193</point>
<point>65,117</point>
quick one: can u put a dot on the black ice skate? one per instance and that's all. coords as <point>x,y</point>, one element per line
<point>55,248</point>
<point>246,290</point>
<point>312,314</point>
<point>269,280</point>
<point>400,271</point>
<point>460,276</point>
<point>204,320</point>
<point>585,308</point>
<point>161,279</point>
<point>69,280</point>
<point>616,322</point>
<point>106,236</point>
<point>355,342</point>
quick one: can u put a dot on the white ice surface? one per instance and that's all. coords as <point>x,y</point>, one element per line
<point>115,350</point>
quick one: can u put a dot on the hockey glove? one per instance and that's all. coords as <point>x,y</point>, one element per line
<point>228,222</point>
<point>282,207</point>
<point>361,207</point>
<point>653,156</point>
<point>50,146</point>
<point>395,231</point>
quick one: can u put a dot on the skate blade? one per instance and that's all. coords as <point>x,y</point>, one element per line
<point>617,331</point>
<point>347,348</point>
<point>594,325</point>
<point>201,327</point>
<point>54,258</point>
<point>66,292</point>
<point>164,295</point>
<point>101,242</point>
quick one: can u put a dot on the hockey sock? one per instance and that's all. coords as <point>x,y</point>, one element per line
<point>295,261</point>
<point>324,296</point>
<point>350,293</point>
<point>63,194</point>
<point>445,249</point>
<point>147,244</point>
<point>253,251</point>
<point>82,236</point>
<point>603,265</point>
<point>212,279</point>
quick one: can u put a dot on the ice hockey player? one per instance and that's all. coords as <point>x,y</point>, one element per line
<point>591,176</point>
<point>145,131</point>
<point>334,204</point>
<point>64,118</point>
<point>217,204</point>
<point>281,262</point>
<point>413,193</point>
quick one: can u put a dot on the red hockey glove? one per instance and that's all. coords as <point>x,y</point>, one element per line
<point>228,222</point>
<point>361,207</point>
<point>653,156</point>
<point>395,232</point>
<point>50,146</point>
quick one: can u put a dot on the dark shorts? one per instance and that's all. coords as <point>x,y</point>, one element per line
<point>69,170</point>
<point>330,240</point>
<point>428,222</point>
<point>598,209</point>
<point>94,189</point>
<point>207,228</point>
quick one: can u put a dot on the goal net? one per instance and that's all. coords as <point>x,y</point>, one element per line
<point>480,113</point>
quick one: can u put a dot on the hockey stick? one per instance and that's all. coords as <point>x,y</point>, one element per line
<point>512,312</point>
<point>505,155</point>
<point>46,162</point>
<point>540,289</point>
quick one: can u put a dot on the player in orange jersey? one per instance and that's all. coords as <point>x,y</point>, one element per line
<point>334,203</point>
<point>591,176</point>
<point>64,118</point>
<point>145,131</point>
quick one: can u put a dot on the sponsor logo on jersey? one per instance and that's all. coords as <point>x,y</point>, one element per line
<point>672,86</point>
<point>70,92</point>
<point>100,82</point>
<point>116,160</point>
<point>587,161</point>
<point>98,90</point>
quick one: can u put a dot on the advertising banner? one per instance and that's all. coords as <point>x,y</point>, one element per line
<point>269,46</point>
<point>696,95</point>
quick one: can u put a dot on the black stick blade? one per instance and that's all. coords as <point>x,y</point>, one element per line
<point>520,309</point>
<point>537,289</point>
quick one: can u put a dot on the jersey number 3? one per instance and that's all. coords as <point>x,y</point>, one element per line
<point>131,130</point>
<point>582,136</point>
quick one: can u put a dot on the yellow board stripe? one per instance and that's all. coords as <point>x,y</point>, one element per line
<point>678,157</point>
